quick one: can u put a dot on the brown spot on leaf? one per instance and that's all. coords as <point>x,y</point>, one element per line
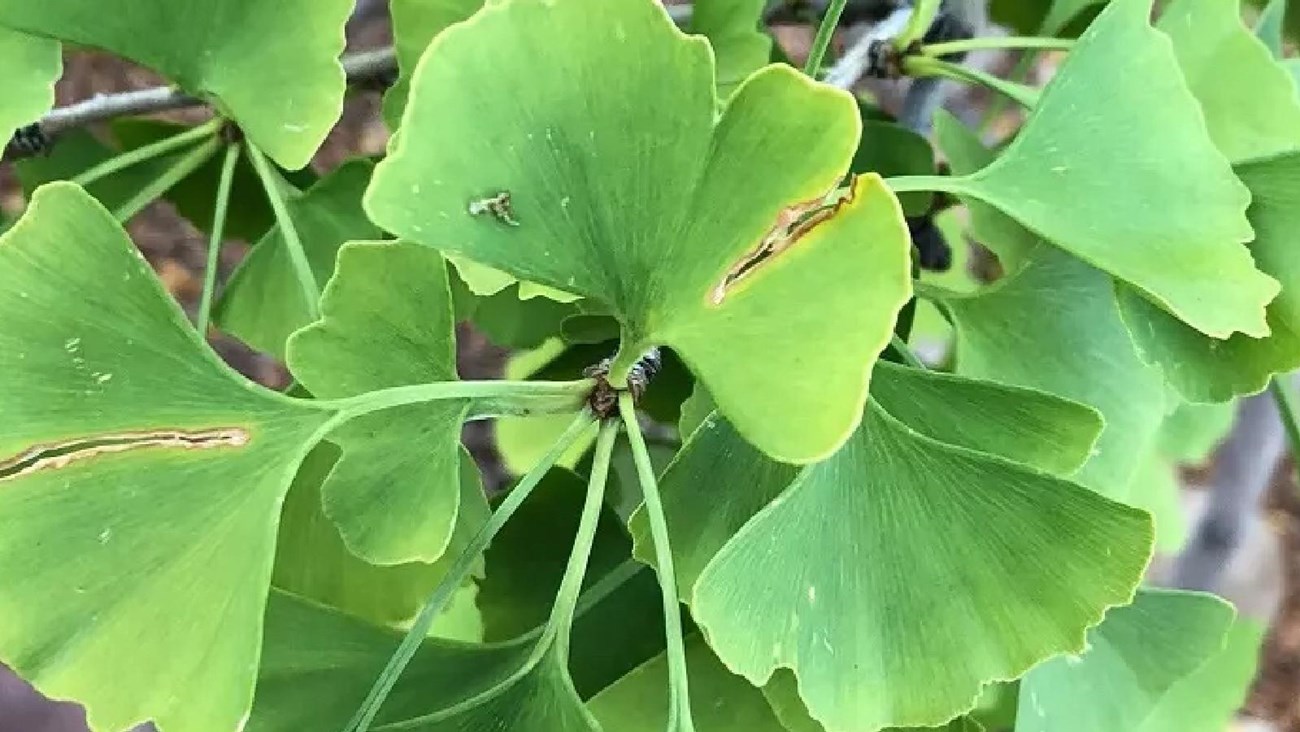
<point>792,224</point>
<point>61,455</point>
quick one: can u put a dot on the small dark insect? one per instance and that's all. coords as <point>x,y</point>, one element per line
<point>497,206</point>
<point>27,142</point>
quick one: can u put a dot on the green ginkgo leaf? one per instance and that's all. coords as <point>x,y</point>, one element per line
<point>1250,105</point>
<point>318,665</point>
<point>1206,369</point>
<point>1064,313</point>
<point>1270,28</point>
<point>313,563</point>
<point>273,67</point>
<point>142,482</point>
<point>720,700</point>
<point>734,30</point>
<point>672,218</point>
<point>851,572</point>
<point>263,305</point>
<point>1207,699</point>
<point>1135,189</point>
<point>1000,233</point>
<point>387,321</point>
<point>415,24</point>
<point>29,66</point>
<point>1133,659</point>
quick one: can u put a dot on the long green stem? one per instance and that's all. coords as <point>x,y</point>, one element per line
<point>566,599</point>
<point>936,183</point>
<point>459,571</point>
<point>921,66</point>
<point>177,172</point>
<point>679,712</point>
<point>919,24</point>
<point>906,352</point>
<point>1290,412</point>
<point>491,398</point>
<point>288,231</point>
<point>148,152</point>
<point>215,237</point>
<point>825,32</point>
<point>967,45</point>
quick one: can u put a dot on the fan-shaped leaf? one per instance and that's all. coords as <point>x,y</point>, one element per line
<point>388,322</point>
<point>1136,189</point>
<point>673,221</point>
<point>262,304</point>
<point>273,66</point>
<point>141,483</point>
<point>1133,659</point>
<point>29,66</point>
<point>850,571</point>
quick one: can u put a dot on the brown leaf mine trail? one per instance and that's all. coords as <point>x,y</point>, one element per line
<point>792,224</point>
<point>61,455</point>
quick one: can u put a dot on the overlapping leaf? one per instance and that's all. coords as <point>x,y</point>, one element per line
<point>313,563</point>
<point>388,322</point>
<point>263,304</point>
<point>142,482</point>
<point>641,201</point>
<point>733,28</point>
<point>319,664</point>
<point>853,572</point>
<point>1136,189</point>
<point>1253,115</point>
<point>29,66</point>
<point>1063,312</point>
<point>1133,660</point>
<point>272,66</point>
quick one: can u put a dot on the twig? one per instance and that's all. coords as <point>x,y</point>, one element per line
<point>364,68</point>
<point>857,61</point>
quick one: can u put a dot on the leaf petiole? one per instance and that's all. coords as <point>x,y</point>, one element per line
<point>823,40</point>
<point>177,172</point>
<point>1286,406</point>
<point>144,154</point>
<point>949,48</point>
<point>920,22</point>
<point>288,231</point>
<point>214,238</point>
<point>679,712</point>
<point>437,602</point>
<point>906,352</point>
<point>490,398</point>
<point>922,66</point>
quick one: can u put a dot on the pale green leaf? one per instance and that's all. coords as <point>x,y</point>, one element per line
<point>312,561</point>
<point>1270,27</point>
<point>1250,104</point>
<point>852,603</point>
<point>273,66</point>
<point>318,665</point>
<point>1133,660</point>
<point>415,24</point>
<point>720,700</point>
<point>1134,188</point>
<point>1206,369</point>
<point>387,321</point>
<point>734,29</point>
<point>29,66</point>
<point>1208,699</point>
<point>142,482</point>
<point>656,209</point>
<point>1054,326</point>
<point>262,304</point>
